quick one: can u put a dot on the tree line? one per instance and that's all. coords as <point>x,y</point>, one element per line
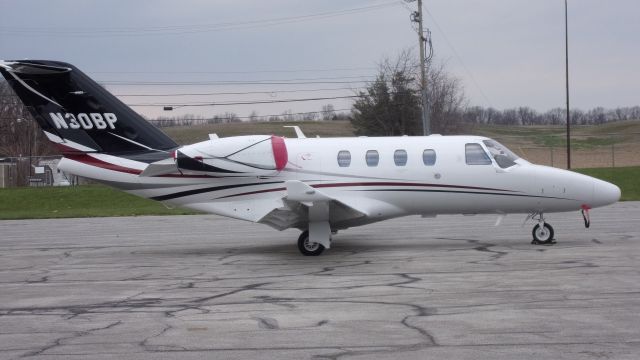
<point>391,105</point>
<point>328,113</point>
<point>527,116</point>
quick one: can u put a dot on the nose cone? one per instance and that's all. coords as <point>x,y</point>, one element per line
<point>604,193</point>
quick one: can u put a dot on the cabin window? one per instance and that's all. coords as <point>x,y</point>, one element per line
<point>344,158</point>
<point>400,157</point>
<point>429,157</point>
<point>475,155</point>
<point>372,157</point>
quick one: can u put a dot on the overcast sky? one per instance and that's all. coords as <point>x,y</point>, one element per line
<point>506,52</point>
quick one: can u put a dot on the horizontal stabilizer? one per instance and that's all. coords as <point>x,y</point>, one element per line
<point>162,167</point>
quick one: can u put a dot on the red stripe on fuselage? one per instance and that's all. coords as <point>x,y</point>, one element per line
<point>406,184</point>
<point>92,161</point>
<point>67,150</point>
<point>356,184</point>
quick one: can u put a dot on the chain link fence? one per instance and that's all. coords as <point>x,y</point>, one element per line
<point>609,150</point>
<point>34,171</point>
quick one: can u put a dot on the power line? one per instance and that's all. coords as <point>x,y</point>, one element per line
<point>185,29</point>
<point>245,102</point>
<point>239,72</point>
<point>237,92</point>
<point>226,83</point>
<point>315,80</point>
<point>464,66</point>
<point>269,92</point>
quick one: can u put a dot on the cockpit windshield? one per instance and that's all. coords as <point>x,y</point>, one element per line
<point>504,157</point>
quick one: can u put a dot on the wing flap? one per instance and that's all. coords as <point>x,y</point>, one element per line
<point>300,199</point>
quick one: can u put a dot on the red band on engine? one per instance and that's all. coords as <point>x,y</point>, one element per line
<point>279,152</point>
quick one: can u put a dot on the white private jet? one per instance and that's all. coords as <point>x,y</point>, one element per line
<point>317,185</point>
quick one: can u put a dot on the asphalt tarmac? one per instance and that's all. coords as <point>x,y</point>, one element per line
<point>206,287</point>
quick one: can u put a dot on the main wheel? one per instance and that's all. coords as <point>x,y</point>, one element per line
<point>542,234</point>
<point>308,248</point>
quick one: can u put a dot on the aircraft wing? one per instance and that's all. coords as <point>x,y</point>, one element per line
<point>302,203</point>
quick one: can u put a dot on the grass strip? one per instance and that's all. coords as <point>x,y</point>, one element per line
<point>627,179</point>
<point>76,201</point>
<point>100,201</point>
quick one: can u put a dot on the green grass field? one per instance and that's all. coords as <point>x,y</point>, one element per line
<point>76,201</point>
<point>98,201</point>
<point>627,178</point>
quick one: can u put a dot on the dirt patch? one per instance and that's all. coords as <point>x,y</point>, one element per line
<point>606,156</point>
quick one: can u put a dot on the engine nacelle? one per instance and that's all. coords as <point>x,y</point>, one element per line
<point>260,155</point>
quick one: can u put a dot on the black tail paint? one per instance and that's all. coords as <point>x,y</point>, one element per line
<point>78,114</point>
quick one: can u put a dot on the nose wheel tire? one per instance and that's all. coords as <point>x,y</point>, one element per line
<point>543,235</point>
<point>308,248</point>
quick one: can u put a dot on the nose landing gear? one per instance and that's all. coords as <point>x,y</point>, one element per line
<point>542,232</point>
<point>542,235</point>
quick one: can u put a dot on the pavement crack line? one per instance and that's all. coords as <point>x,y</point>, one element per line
<point>60,341</point>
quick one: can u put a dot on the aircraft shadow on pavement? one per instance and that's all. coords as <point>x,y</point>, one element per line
<point>348,245</point>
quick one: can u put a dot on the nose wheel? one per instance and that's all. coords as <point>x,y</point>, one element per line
<point>308,248</point>
<point>542,232</point>
<point>543,235</point>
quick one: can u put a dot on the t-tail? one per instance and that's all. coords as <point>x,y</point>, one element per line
<point>79,115</point>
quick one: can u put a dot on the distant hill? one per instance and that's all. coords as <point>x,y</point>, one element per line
<point>195,133</point>
<point>582,136</point>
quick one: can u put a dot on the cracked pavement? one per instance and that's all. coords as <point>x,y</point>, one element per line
<point>205,287</point>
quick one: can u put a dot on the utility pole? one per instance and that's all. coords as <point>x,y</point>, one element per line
<point>417,17</point>
<point>566,39</point>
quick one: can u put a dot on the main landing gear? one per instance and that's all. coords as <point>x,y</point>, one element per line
<point>308,248</point>
<point>542,232</point>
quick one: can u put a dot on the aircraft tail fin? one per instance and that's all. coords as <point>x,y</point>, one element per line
<point>78,114</point>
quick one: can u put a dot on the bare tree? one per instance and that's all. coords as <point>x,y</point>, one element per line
<point>288,115</point>
<point>20,135</point>
<point>253,117</point>
<point>526,115</point>
<point>391,105</point>
<point>230,117</point>
<point>446,100</point>
<point>556,116</point>
<point>310,116</point>
<point>328,112</point>
<point>510,117</point>
<point>578,117</point>
<point>474,115</point>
